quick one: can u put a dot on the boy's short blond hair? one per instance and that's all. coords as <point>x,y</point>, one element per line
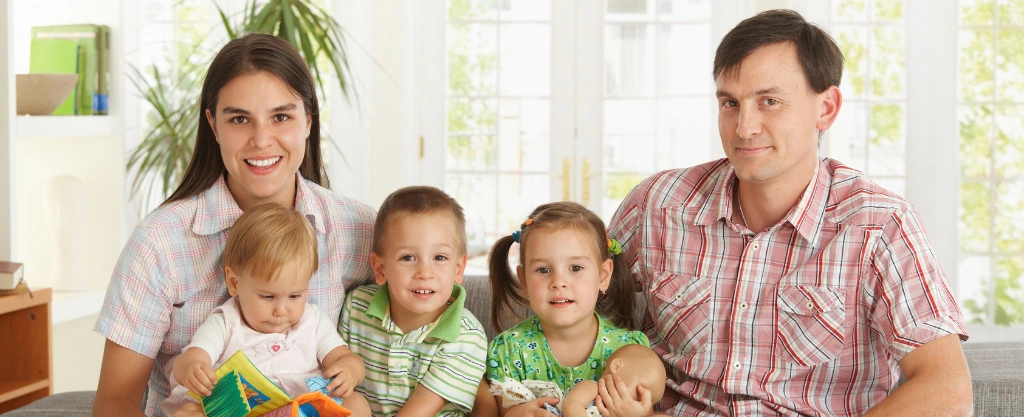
<point>267,237</point>
<point>418,199</point>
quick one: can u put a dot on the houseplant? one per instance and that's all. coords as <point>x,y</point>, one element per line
<point>160,160</point>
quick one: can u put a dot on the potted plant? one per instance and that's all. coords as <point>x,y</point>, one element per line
<point>164,153</point>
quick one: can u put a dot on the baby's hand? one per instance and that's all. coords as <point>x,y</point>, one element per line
<point>346,373</point>
<point>198,377</point>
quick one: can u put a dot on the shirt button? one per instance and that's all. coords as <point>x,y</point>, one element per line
<point>736,365</point>
<point>679,297</point>
<point>755,245</point>
<point>743,306</point>
<point>810,305</point>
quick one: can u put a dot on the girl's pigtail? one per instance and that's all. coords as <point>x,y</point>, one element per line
<point>505,289</point>
<point>619,301</point>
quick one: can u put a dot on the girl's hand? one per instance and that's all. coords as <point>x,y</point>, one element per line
<point>613,398</point>
<point>198,377</point>
<point>533,408</point>
<point>348,371</point>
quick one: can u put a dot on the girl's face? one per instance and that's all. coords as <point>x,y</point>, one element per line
<point>271,304</point>
<point>563,277</point>
<point>261,127</point>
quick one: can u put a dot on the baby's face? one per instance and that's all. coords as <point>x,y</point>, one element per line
<point>276,304</point>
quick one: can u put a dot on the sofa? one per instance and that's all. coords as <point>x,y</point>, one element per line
<point>997,372</point>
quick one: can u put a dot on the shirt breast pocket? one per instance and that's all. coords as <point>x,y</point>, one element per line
<point>809,327</point>
<point>680,308</point>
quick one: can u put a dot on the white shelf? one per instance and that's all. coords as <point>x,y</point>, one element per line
<point>66,126</point>
<point>67,306</point>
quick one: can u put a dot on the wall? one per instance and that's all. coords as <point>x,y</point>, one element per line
<point>77,354</point>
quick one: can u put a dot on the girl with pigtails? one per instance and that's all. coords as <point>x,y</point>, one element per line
<point>582,299</point>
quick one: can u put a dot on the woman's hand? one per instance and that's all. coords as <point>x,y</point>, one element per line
<point>613,398</point>
<point>533,408</point>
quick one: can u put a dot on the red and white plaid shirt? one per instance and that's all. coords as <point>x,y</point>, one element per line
<point>809,317</point>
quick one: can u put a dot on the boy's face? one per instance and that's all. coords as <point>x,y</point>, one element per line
<point>271,305</point>
<point>421,263</point>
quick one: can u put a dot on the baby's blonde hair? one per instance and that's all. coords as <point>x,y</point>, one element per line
<point>267,237</point>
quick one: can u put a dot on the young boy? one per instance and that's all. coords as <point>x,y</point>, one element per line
<point>424,352</point>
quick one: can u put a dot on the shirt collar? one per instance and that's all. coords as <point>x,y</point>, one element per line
<point>217,210</point>
<point>447,327</point>
<point>807,216</point>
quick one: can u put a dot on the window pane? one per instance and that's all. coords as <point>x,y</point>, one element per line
<point>888,62</point>
<point>893,185</point>
<point>1009,296</point>
<point>470,153</point>
<point>680,46</point>
<point>627,7</point>
<point>1010,141</point>
<point>472,9</point>
<point>523,135</point>
<point>526,10</point>
<point>1010,65</point>
<point>629,60</point>
<point>975,141</point>
<point>887,146</point>
<point>684,133</point>
<point>472,59</point>
<point>678,10</point>
<point>616,186</point>
<point>847,137</point>
<point>977,12</point>
<point>628,117</point>
<point>1009,224</point>
<point>525,59</point>
<point>887,9</point>
<point>977,78</point>
<point>520,194</point>
<point>975,282</point>
<point>853,41</point>
<point>476,194</point>
<point>975,217</point>
<point>1011,12</point>
<point>850,10</point>
<point>471,115</point>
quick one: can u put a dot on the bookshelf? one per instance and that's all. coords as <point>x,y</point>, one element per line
<point>27,371</point>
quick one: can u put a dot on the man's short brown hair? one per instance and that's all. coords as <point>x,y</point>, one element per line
<point>269,236</point>
<point>418,199</point>
<point>819,56</point>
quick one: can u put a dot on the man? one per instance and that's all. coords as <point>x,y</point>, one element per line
<point>779,283</point>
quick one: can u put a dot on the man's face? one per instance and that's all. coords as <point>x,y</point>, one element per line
<point>769,118</point>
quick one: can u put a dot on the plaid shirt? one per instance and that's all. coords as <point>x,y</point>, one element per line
<point>169,276</point>
<point>809,317</point>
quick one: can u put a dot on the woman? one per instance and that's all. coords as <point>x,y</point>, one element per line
<point>258,142</point>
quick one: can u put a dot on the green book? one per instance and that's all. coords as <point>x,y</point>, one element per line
<point>57,56</point>
<point>88,37</point>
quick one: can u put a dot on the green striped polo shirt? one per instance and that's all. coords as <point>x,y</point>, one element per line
<point>446,356</point>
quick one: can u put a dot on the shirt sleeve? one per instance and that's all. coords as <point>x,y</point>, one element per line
<point>211,336</point>
<point>504,359</point>
<point>457,367</point>
<point>327,337</point>
<point>913,302</point>
<point>137,308</point>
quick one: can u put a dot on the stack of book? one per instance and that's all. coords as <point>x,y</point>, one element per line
<point>75,49</point>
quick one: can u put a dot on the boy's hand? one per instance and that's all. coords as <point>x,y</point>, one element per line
<point>534,408</point>
<point>198,377</point>
<point>348,371</point>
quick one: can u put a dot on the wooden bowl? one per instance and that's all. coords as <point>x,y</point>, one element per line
<point>41,94</point>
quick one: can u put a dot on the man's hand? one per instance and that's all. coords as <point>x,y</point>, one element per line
<point>613,398</point>
<point>193,370</point>
<point>348,371</point>
<point>533,408</point>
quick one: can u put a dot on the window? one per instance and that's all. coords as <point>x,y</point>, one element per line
<point>870,132</point>
<point>990,113</point>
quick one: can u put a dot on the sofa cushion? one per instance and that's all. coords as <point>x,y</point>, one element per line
<point>67,404</point>
<point>997,377</point>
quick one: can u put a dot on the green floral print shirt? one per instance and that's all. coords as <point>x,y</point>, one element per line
<point>522,353</point>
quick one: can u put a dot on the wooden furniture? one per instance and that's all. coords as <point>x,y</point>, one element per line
<point>26,364</point>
